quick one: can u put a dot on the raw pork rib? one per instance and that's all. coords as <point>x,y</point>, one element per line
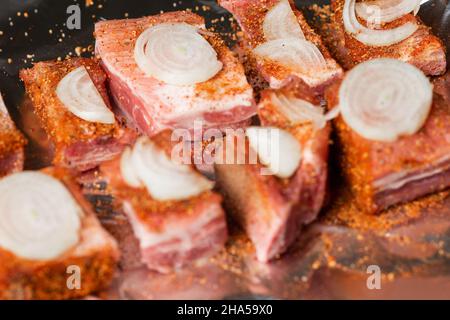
<point>422,48</point>
<point>250,15</point>
<point>96,254</point>
<point>12,143</point>
<point>383,174</point>
<point>272,210</point>
<point>224,100</point>
<point>171,234</point>
<point>78,143</point>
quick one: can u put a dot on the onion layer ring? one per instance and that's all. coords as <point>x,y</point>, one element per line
<point>177,54</point>
<point>384,99</point>
<point>39,218</point>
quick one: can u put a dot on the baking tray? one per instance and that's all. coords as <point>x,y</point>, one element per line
<point>333,259</point>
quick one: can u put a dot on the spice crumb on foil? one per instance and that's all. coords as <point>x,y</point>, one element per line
<point>342,212</point>
<point>345,212</point>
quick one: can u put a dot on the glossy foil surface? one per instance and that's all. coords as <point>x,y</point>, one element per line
<point>335,257</point>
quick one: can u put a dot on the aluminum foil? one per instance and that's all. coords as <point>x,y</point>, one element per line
<point>338,257</point>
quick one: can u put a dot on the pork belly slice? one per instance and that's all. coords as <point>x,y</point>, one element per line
<point>171,233</point>
<point>96,255</point>
<point>77,143</point>
<point>422,49</point>
<point>442,86</point>
<point>12,143</point>
<point>271,210</point>
<point>225,99</point>
<point>250,15</point>
<point>383,174</point>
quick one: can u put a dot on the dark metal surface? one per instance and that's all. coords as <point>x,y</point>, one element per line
<point>329,261</point>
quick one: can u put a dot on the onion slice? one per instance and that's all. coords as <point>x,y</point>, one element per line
<point>78,93</point>
<point>148,166</point>
<point>280,22</point>
<point>373,37</point>
<point>384,99</point>
<point>299,111</point>
<point>39,218</point>
<point>177,54</point>
<point>3,108</point>
<point>277,149</point>
<point>299,55</point>
<point>127,169</point>
<point>383,11</point>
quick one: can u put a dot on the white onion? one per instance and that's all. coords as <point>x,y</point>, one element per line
<point>149,166</point>
<point>299,55</point>
<point>299,111</point>
<point>384,99</point>
<point>80,96</point>
<point>177,54</point>
<point>277,149</point>
<point>383,11</point>
<point>3,108</point>
<point>373,37</point>
<point>128,171</point>
<point>280,22</point>
<point>417,8</point>
<point>39,218</point>
<point>332,114</point>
